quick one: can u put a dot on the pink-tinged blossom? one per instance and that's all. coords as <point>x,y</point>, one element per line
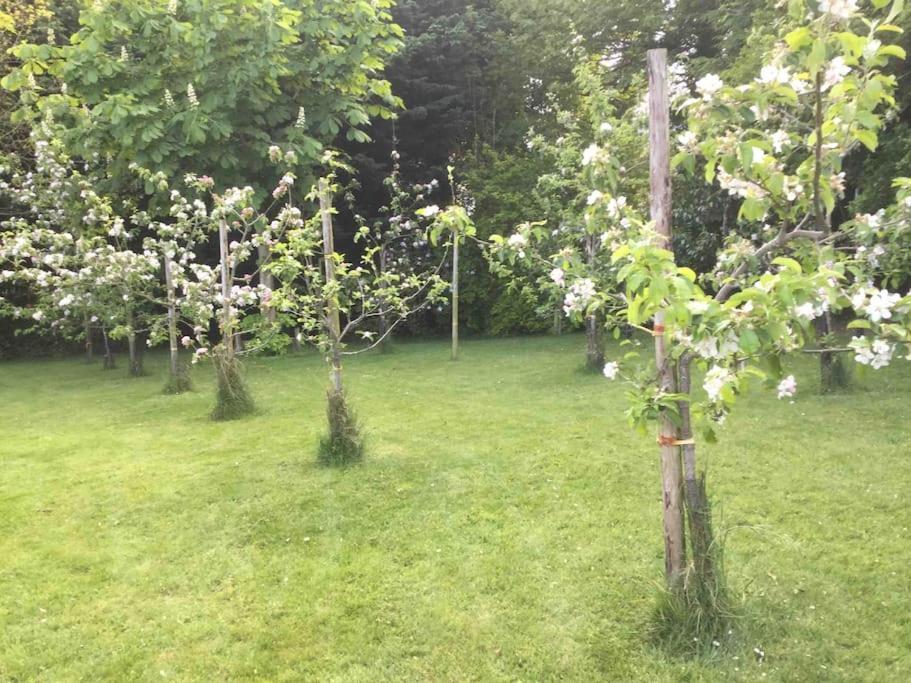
<point>787,387</point>
<point>835,72</point>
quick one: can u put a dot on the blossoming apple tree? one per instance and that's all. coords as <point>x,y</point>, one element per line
<point>777,143</point>
<point>335,301</point>
<point>72,254</point>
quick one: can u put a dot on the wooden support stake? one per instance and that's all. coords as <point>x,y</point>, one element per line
<point>455,294</point>
<point>660,205</point>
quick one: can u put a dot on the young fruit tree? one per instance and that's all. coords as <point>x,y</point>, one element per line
<point>221,296</point>
<point>777,143</point>
<point>334,301</point>
<point>451,227</point>
<point>394,234</point>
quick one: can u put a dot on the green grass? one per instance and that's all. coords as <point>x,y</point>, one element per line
<point>504,525</point>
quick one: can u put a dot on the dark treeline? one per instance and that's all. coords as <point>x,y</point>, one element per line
<point>475,77</point>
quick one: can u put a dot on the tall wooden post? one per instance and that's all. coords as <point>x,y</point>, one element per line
<point>227,315</point>
<point>455,294</point>
<point>172,315</point>
<point>332,314</point>
<point>660,206</point>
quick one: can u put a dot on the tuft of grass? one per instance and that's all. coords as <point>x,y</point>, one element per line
<point>692,617</point>
<point>232,397</point>
<point>178,384</point>
<point>343,444</point>
<point>507,525</point>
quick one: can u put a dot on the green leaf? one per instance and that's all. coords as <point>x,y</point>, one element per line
<point>867,138</point>
<point>749,341</point>
<point>788,263</point>
<point>892,51</point>
<point>859,325</point>
<point>798,38</point>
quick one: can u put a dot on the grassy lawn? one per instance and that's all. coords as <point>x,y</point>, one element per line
<point>505,526</point>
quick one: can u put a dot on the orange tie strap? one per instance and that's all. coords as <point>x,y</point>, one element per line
<point>658,331</point>
<point>671,441</point>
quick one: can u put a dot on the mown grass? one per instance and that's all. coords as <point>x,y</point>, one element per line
<point>504,525</point>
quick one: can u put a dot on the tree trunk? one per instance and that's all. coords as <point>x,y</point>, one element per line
<point>699,514</point>
<point>173,348</point>
<point>455,296</point>
<point>558,319</point>
<point>385,336</point>
<point>135,355</point>
<point>133,346</point>
<point>831,375</point>
<point>89,350</point>
<point>227,314</point>
<point>266,279</point>
<point>594,349</point>
<point>333,323</point>
<point>109,363</point>
<point>660,207</point>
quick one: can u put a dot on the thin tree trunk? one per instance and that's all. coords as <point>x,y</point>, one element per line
<point>558,319</point>
<point>89,349</point>
<point>660,206</point>
<point>332,314</point>
<point>699,514</point>
<point>455,295</point>
<point>227,315</point>
<point>133,346</point>
<point>266,279</point>
<point>172,318</point>
<point>827,377</point>
<point>109,363</point>
<point>594,351</point>
<point>385,336</point>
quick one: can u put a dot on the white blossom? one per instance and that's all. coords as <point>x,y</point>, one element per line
<point>590,153</point>
<point>708,85</point>
<point>558,276</point>
<point>840,9</point>
<point>880,305</point>
<point>611,370</point>
<point>773,75</point>
<point>716,379</point>
<point>191,95</point>
<point>580,293</point>
<point>518,241</point>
